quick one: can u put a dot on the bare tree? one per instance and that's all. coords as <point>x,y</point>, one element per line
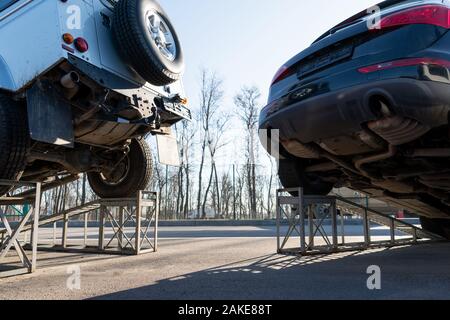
<point>227,194</point>
<point>239,193</point>
<point>270,201</point>
<point>159,180</point>
<point>187,134</point>
<point>215,142</point>
<point>211,95</point>
<point>247,108</point>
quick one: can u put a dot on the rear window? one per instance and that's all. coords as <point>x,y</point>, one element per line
<point>6,3</point>
<point>360,15</point>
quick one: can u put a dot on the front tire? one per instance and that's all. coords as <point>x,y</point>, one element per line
<point>292,175</point>
<point>14,140</point>
<point>135,173</point>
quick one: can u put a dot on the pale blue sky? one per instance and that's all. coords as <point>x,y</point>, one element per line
<point>246,41</point>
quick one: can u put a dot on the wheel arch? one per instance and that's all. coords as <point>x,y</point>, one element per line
<point>7,82</point>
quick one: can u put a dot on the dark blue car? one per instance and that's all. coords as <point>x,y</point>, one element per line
<point>367,106</point>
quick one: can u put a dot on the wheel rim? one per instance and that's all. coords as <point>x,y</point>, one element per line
<point>161,35</point>
<point>119,174</point>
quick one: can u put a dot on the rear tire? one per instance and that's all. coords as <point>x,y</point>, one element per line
<point>137,176</point>
<point>292,175</point>
<point>440,227</point>
<point>14,140</point>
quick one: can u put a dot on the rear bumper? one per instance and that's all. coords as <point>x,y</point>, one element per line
<point>141,97</point>
<point>345,111</point>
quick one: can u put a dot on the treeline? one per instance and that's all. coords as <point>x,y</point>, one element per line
<point>241,186</point>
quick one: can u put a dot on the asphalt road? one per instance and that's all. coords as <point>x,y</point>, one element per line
<point>236,263</point>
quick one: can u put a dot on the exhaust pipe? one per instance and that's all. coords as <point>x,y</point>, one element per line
<point>431,153</point>
<point>70,80</point>
<point>374,158</point>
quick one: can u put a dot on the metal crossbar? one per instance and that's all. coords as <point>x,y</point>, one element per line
<point>317,227</point>
<point>10,235</point>
<point>120,228</point>
<point>20,251</point>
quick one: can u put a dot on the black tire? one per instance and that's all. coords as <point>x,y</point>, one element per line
<point>136,178</point>
<point>291,174</point>
<point>440,227</point>
<point>14,140</point>
<point>136,45</point>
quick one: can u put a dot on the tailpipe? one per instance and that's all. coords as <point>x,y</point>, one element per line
<point>70,80</point>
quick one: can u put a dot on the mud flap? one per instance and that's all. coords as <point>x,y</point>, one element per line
<point>168,152</point>
<point>49,118</point>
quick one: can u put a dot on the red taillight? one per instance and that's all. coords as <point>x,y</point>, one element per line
<point>437,15</point>
<point>81,45</point>
<point>282,74</point>
<point>405,63</point>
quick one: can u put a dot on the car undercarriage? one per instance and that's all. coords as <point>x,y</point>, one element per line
<point>99,126</point>
<point>393,158</point>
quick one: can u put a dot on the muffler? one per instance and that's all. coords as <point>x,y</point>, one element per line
<point>398,130</point>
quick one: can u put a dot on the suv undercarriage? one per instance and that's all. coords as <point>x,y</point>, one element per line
<point>91,96</point>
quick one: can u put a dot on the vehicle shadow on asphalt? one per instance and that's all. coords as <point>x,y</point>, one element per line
<point>414,272</point>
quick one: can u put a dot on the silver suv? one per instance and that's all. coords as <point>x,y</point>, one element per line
<point>82,83</point>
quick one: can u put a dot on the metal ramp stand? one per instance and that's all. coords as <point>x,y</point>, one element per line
<point>129,222</point>
<point>9,237</point>
<point>300,212</point>
<point>133,223</point>
<point>130,211</point>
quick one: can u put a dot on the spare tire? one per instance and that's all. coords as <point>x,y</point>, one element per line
<point>147,41</point>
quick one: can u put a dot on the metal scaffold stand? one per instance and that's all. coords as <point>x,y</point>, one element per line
<point>9,238</point>
<point>122,226</point>
<point>139,214</point>
<point>314,219</point>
